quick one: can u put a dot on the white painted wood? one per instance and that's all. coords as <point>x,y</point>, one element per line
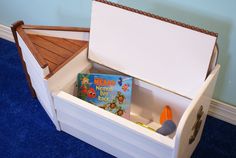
<point>68,72</point>
<point>173,57</point>
<point>27,55</point>
<point>151,97</point>
<point>149,101</point>
<point>5,33</point>
<point>223,111</point>
<point>62,34</point>
<point>39,84</point>
<point>146,107</point>
<point>83,135</point>
<point>77,103</point>
<point>185,128</point>
<point>117,131</point>
<point>36,75</point>
<point>107,136</point>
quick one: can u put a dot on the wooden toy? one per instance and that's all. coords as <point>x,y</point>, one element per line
<point>122,40</point>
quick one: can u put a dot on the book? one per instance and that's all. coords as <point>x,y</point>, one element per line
<point>109,92</point>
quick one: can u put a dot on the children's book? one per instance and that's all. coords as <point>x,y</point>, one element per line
<point>110,92</point>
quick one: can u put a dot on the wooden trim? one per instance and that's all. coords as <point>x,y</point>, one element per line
<point>223,111</point>
<point>15,25</point>
<point>65,62</point>
<point>13,28</point>
<point>43,64</point>
<point>6,33</point>
<point>159,18</point>
<point>56,28</point>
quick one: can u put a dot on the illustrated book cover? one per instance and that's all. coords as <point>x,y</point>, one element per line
<point>110,92</point>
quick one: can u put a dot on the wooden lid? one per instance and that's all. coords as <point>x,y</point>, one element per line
<point>157,50</point>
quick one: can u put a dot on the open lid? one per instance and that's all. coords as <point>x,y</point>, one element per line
<point>160,51</point>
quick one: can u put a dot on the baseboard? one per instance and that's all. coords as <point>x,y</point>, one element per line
<point>5,33</point>
<point>217,109</point>
<point>223,111</point>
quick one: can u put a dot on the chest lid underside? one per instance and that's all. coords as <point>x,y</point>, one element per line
<point>157,50</point>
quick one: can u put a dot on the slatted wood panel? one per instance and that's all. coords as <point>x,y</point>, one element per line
<point>56,51</point>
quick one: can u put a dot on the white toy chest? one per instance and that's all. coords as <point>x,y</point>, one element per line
<point>172,64</point>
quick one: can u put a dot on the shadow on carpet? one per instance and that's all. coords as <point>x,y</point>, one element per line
<point>26,130</point>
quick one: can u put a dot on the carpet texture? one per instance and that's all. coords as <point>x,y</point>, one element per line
<point>26,130</point>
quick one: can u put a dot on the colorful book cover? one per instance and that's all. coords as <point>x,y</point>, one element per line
<point>110,92</point>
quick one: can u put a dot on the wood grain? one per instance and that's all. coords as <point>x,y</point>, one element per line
<point>67,61</point>
<point>72,47</point>
<point>56,51</point>
<point>80,44</point>
<point>56,28</point>
<point>51,56</point>
<point>42,42</point>
<point>43,64</point>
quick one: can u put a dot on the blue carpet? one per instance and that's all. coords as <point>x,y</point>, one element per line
<point>26,130</point>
